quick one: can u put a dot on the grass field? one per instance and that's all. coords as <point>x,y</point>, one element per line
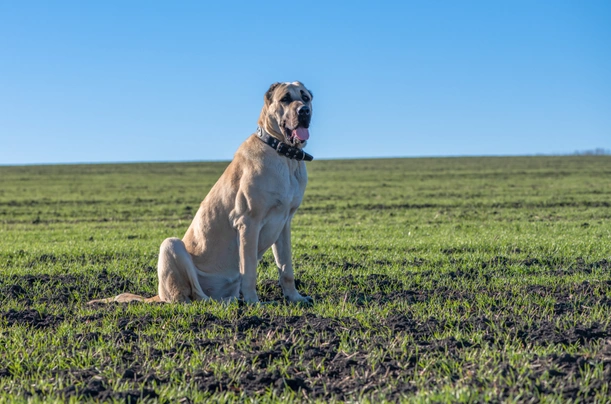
<point>444,280</point>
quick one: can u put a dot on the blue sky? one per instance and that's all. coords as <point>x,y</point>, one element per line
<point>106,81</point>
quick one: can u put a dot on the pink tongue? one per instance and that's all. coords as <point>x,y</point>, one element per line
<point>301,133</point>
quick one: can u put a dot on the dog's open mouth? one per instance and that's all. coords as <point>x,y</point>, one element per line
<point>297,136</point>
<point>300,133</point>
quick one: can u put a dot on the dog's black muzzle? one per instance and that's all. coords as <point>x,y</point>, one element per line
<point>304,114</point>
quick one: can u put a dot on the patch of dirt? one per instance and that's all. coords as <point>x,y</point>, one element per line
<point>137,375</point>
<point>270,291</point>
<point>31,318</point>
<point>250,382</point>
<point>57,288</point>
<point>343,375</point>
<point>97,388</point>
<point>416,328</point>
<point>538,332</point>
<point>65,289</point>
<point>576,297</point>
<point>566,373</point>
<point>545,333</point>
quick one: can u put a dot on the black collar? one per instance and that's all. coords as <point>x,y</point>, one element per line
<point>291,152</point>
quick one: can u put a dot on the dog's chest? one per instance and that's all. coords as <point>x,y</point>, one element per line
<point>286,200</point>
<point>294,188</point>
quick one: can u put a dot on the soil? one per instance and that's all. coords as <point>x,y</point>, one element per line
<point>320,367</point>
<point>32,318</point>
<point>97,388</point>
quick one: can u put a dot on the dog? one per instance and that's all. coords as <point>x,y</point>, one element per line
<point>247,211</point>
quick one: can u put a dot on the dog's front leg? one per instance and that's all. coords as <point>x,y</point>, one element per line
<point>249,237</point>
<point>284,261</point>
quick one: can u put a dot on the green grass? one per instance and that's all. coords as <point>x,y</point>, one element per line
<point>444,280</point>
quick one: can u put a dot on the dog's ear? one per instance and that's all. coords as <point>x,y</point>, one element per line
<point>270,93</point>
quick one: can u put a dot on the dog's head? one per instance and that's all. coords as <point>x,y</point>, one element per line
<point>286,113</point>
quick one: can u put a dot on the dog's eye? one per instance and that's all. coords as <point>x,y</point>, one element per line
<point>286,98</point>
<point>306,98</point>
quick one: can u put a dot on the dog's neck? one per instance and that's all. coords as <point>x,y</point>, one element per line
<point>282,148</point>
<point>273,133</point>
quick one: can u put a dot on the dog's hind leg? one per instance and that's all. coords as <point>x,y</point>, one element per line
<point>177,273</point>
<point>177,278</point>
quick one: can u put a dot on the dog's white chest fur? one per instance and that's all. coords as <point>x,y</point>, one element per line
<point>283,203</point>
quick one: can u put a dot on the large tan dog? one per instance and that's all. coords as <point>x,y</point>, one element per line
<point>247,211</point>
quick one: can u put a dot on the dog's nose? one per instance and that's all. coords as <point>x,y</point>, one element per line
<point>304,111</point>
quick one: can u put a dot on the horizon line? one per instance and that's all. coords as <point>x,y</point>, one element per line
<point>586,153</point>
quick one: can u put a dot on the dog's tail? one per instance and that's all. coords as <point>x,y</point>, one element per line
<point>127,298</point>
